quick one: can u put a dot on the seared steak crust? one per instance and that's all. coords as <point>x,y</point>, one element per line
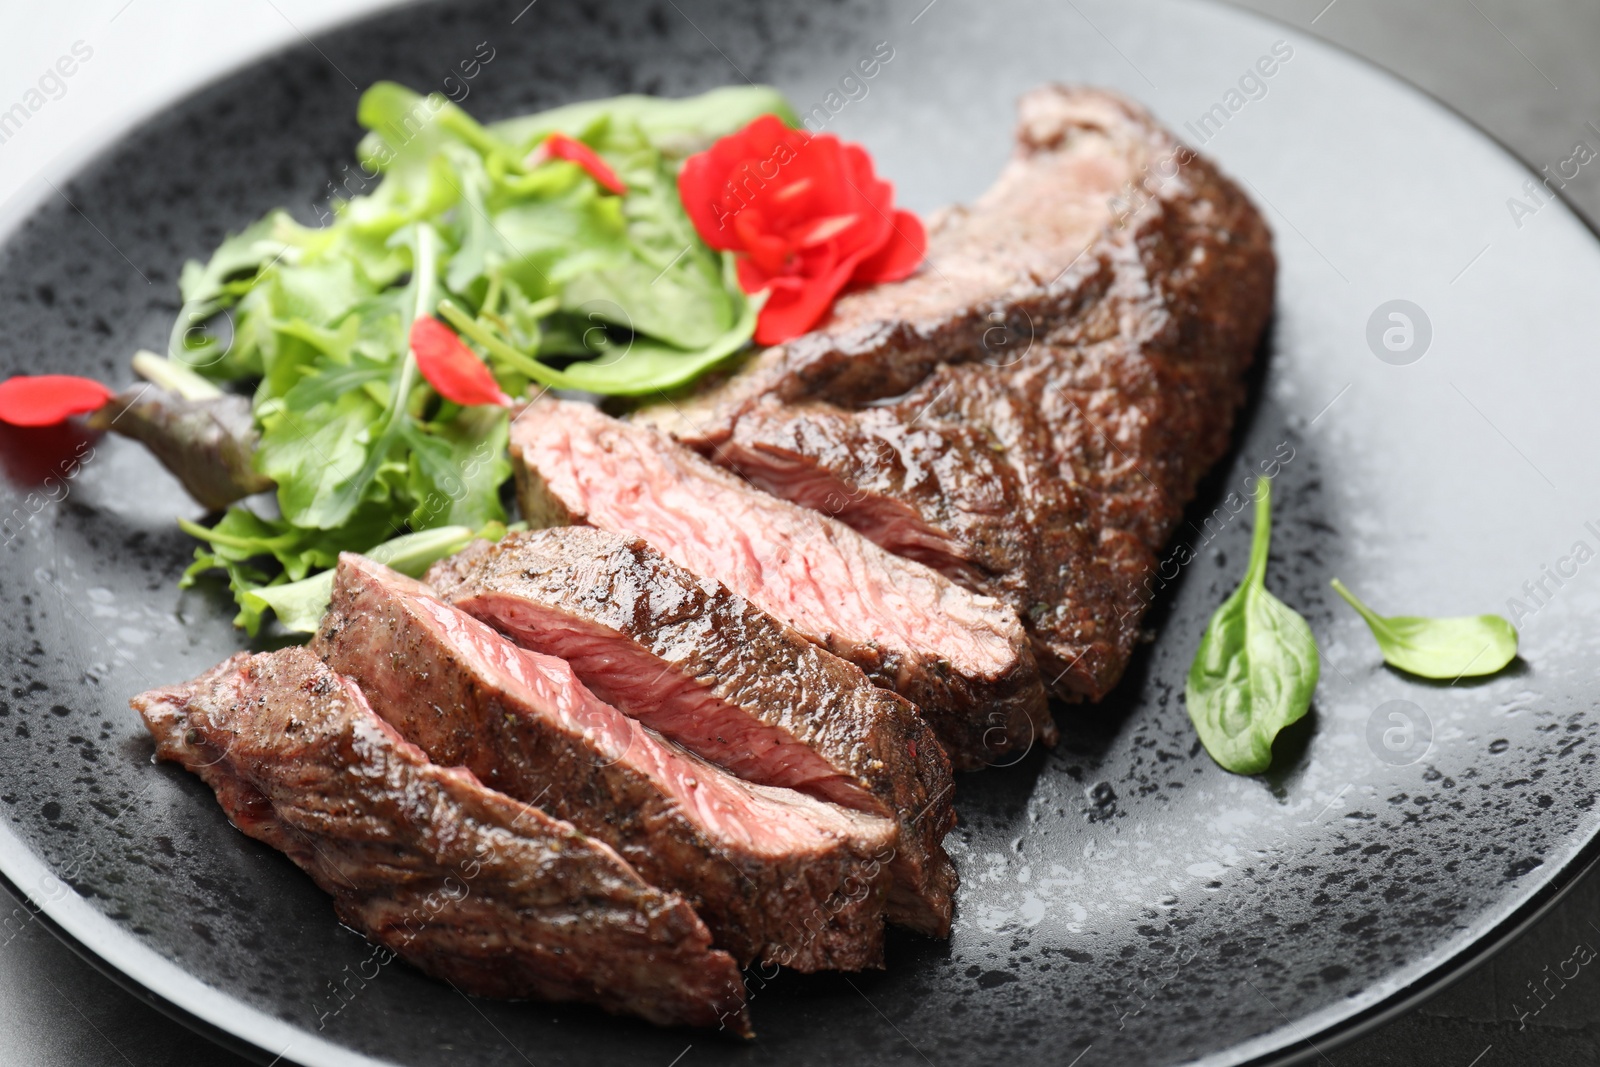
<point>962,659</point>
<point>775,874</point>
<point>728,681</point>
<point>1047,470</point>
<point>485,892</point>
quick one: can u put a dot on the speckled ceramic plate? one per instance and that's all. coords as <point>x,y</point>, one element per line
<point>1123,900</point>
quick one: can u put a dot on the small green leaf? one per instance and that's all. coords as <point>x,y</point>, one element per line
<point>1256,667</point>
<point>1467,646</point>
<point>301,605</point>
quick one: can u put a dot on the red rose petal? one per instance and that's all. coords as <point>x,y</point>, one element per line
<point>46,399</point>
<point>697,188</point>
<point>771,253</point>
<point>452,368</point>
<point>901,254</point>
<point>795,303</point>
<point>826,228</point>
<point>806,215</point>
<point>787,194</point>
<point>560,146</point>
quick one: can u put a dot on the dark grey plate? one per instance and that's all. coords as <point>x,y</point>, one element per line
<point>1124,901</point>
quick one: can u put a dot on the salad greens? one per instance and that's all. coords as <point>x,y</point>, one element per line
<point>301,605</point>
<point>1466,646</point>
<point>1256,667</point>
<point>552,280</point>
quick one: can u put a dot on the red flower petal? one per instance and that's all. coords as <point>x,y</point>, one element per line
<point>717,185</point>
<point>452,368</point>
<point>825,228</point>
<point>560,146</point>
<point>697,188</point>
<point>900,255</point>
<point>808,214</point>
<point>47,399</point>
<point>795,303</point>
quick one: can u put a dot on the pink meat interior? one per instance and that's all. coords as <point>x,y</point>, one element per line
<point>889,523</point>
<point>816,574</point>
<point>679,707</point>
<point>761,819</point>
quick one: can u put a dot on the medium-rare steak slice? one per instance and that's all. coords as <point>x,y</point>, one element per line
<point>962,659</point>
<point>775,874</point>
<point>1047,471</point>
<point>483,891</point>
<point>726,680</point>
<point>958,475</point>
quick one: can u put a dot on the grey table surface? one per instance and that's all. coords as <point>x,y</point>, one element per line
<point>1525,72</point>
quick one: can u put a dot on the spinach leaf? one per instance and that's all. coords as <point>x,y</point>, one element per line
<point>1257,665</point>
<point>1467,646</point>
<point>644,366</point>
<point>669,284</point>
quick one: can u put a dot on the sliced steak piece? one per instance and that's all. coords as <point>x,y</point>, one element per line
<point>776,874</point>
<point>959,475</point>
<point>726,680</point>
<point>943,492</point>
<point>1047,471</point>
<point>481,890</point>
<point>962,659</point>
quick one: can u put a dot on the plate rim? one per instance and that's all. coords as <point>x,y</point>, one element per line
<point>202,1008</point>
<point>1586,859</point>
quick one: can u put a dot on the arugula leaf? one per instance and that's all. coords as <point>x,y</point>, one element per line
<point>1256,668</point>
<point>403,117</point>
<point>241,254</point>
<point>215,286</point>
<point>542,243</point>
<point>300,605</point>
<point>242,539</point>
<point>318,458</point>
<point>457,469</point>
<point>1467,646</point>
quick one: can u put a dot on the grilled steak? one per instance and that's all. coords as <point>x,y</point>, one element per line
<point>726,680</point>
<point>1045,394</point>
<point>962,659</point>
<point>485,892</point>
<point>774,873</point>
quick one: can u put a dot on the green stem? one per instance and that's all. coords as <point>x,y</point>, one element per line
<point>250,544</point>
<point>1377,622</point>
<point>172,376</point>
<point>540,308</point>
<point>1261,538</point>
<point>491,299</point>
<point>469,326</point>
